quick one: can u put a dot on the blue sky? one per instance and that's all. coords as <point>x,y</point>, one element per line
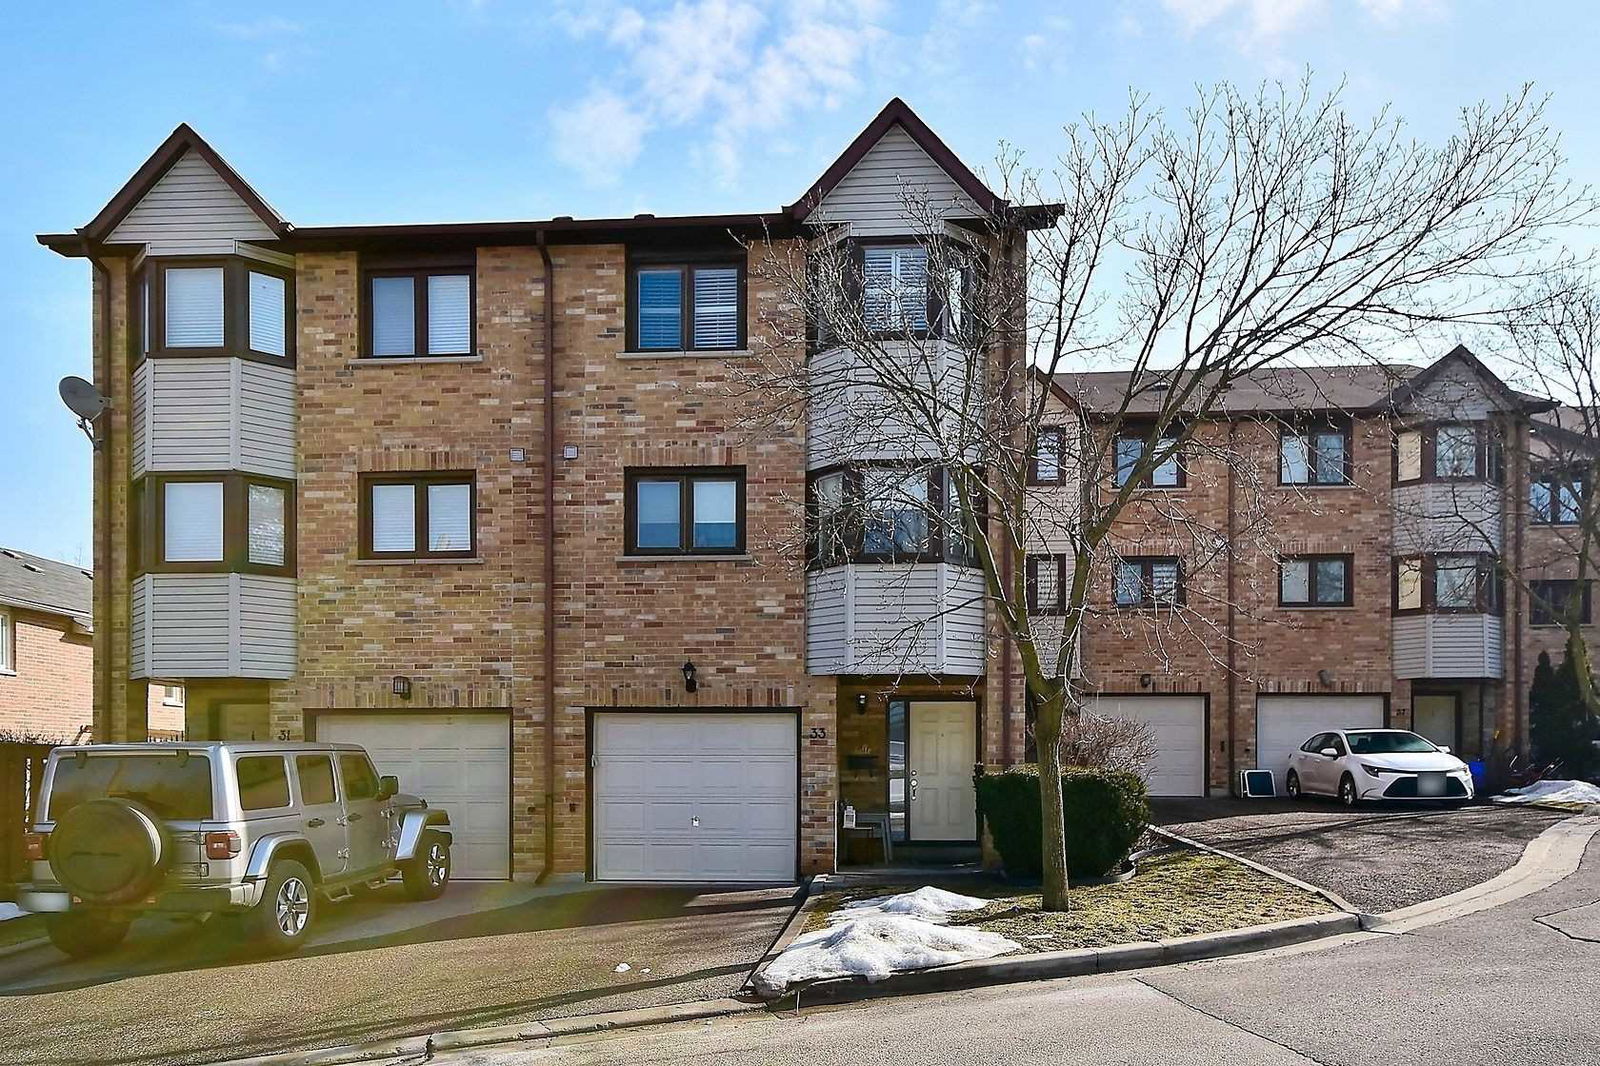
<point>417,111</point>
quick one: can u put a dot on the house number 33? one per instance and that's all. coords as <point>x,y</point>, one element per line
<point>817,732</point>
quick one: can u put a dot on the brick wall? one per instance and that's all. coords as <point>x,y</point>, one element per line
<point>51,693</point>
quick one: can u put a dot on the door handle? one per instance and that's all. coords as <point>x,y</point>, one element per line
<point>315,823</point>
<point>355,816</point>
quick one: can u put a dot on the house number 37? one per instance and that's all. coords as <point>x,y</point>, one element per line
<point>817,732</point>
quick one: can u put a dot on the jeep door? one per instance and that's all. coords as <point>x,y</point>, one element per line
<point>368,830</point>
<point>323,818</point>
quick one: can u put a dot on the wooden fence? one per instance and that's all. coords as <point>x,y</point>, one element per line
<point>21,774</point>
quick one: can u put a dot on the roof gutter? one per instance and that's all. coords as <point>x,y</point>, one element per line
<point>549,635</point>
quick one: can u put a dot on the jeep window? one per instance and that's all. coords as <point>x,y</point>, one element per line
<point>316,779</point>
<point>360,780</point>
<point>263,782</point>
<point>174,786</point>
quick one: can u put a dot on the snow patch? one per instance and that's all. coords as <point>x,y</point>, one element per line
<point>1579,793</point>
<point>9,911</point>
<point>878,937</point>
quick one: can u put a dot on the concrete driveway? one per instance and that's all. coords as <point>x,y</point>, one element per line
<point>483,954</point>
<point>1378,858</point>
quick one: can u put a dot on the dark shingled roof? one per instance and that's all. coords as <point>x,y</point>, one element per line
<point>1344,388</point>
<point>42,584</point>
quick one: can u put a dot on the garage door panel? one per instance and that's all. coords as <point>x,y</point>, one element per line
<point>1283,723</point>
<point>1178,726</point>
<point>458,762</point>
<point>658,774</point>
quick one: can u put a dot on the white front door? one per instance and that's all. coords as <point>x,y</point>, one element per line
<point>944,747</point>
<point>685,796</point>
<point>1435,718</point>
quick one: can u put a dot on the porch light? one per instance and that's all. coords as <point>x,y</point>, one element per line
<point>689,683</point>
<point>861,703</point>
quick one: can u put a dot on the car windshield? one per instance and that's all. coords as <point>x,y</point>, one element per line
<point>1388,742</point>
<point>174,785</point>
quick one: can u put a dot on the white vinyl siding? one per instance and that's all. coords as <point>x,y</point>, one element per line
<point>213,414</point>
<point>716,307</point>
<point>194,307</point>
<point>268,293</point>
<point>192,521</point>
<point>267,531</point>
<point>212,625</point>
<point>394,518</point>
<point>449,518</point>
<point>190,203</point>
<point>449,314</point>
<point>394,316</point>
<point>1449,646</point>
<point>895,617</point>
<point>873,197</point>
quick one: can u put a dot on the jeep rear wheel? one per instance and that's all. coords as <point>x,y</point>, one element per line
<point>83,934</point>
<point>427,875</point>
<point>288,907</point>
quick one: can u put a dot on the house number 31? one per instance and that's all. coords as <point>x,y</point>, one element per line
<point>817,732</point>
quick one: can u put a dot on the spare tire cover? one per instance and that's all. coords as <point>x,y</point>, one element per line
<point>108,851</point>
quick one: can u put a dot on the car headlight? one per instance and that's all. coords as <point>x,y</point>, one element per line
<point>1372,771</point>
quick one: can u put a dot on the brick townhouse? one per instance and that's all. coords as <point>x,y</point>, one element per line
<point>1339,546</point>
<point>473,496</point>
<point>47,655</point>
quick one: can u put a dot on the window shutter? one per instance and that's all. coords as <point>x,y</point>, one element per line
<point>193,522</point>
<point>394,518</point>
<point>267,525</point>
<point>716,308</point>
<point>267,295</point>
<point>449,518</point>
<point>449,314</point>
<point>194,307</point>
<point>394,316</point>
<point>661,308</point>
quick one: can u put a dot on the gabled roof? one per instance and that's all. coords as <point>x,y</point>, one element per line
<point>896,112</point>
<point>41,584</point>
<point>182,140</point>
<point>1461,354</point>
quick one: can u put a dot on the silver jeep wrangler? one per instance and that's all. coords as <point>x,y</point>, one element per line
<point>261,833</point>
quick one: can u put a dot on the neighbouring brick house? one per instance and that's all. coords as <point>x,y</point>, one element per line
<point>47,654</point>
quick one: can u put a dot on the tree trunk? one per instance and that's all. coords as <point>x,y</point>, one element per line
<point>1053,820</point>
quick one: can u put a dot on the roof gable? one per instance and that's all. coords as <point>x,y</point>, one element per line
<point>1446,381</point>
<point>894,141</point>
<point>185,180</point>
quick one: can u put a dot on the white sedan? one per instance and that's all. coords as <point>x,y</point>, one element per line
<point>1376,764</point>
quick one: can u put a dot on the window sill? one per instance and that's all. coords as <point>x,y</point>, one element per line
<point>685,557</point>
<point>422,561</point>
<point>708,353</point>
<point>1316,606</point>
<point>7,673</point>
<point>409,360</point>
<point>1319,485</point>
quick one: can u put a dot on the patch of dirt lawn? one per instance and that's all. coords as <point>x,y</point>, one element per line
<point>1175,893</point>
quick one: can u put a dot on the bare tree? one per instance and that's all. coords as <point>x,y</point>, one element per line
<point>1185,253</point>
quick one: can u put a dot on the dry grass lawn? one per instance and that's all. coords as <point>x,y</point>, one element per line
<point>1175,893</point>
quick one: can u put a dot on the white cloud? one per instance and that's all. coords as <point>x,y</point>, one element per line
<point>720,69</point>
<point>1267,21</point>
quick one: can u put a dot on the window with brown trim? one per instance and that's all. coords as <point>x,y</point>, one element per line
<point>1148,581</point>
<point>688,302</point>
<point>1556,496</point>
<point>225,522</point>
<point>214,306</point>
<point>419,312</point>
<point>1315,581</point>
<point>684,511</point>
<point>1170,473</point>
<point>1448,451</point>
<point>889,511</point>
<point>419,515</point>
<point>1447,582</point>
<point>1554,602</point>
<point>1047,464</point>
<point>1047,584</point>
<point>1315,454</point>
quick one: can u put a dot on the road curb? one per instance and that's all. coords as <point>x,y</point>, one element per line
<point>786,936</point>
<point>1077,962</point>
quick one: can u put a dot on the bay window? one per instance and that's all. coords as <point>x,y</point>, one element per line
<point>1462,451</point>
<point>208,307</point>
<point>894,288</point>
<point>893,512</point>
<point>418,515</point>
<point>214,523</point>
<point>1460,582</point>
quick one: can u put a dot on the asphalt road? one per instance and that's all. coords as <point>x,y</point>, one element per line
<point>1511,985</point>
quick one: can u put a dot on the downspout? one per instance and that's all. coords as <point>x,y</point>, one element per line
<point>549,560</point>
<point>101,598</point>
<point>1232,739</point>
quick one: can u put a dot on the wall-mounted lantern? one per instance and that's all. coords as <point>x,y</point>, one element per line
<point>689,682</point>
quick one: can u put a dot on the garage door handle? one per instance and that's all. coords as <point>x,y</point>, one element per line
<point>315,823</point>
<point>355,817</point>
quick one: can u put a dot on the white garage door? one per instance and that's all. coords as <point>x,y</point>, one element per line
<point>459,762</point>
<point>694,797</point>
<point>1179,726</point>
<point>1283,723</point>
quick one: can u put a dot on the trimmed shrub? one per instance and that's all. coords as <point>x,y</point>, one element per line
<point>1106,813</point>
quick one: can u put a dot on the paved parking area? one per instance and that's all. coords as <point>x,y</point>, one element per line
<point>483,954</point>
<point>1377,858</point>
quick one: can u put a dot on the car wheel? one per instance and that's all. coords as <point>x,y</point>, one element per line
<point>287,910</point>
<point>83,934</point>
<point>427,875</point>
<point>1347,791</point>
<point>1291,785</point>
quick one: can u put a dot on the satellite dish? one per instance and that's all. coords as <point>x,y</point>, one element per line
<point>82,398</point>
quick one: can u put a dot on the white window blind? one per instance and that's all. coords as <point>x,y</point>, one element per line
<point>192,522</point>
<point>267,526</point>
<point>449,314</point>
<point>895,287</point>
<point>8,655</point>
<point>394,316</point>
<point>716,307</point>
<point>394,518</point>
<point>449,518</point>
<point>194,307</point>
<point>267,295</point>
